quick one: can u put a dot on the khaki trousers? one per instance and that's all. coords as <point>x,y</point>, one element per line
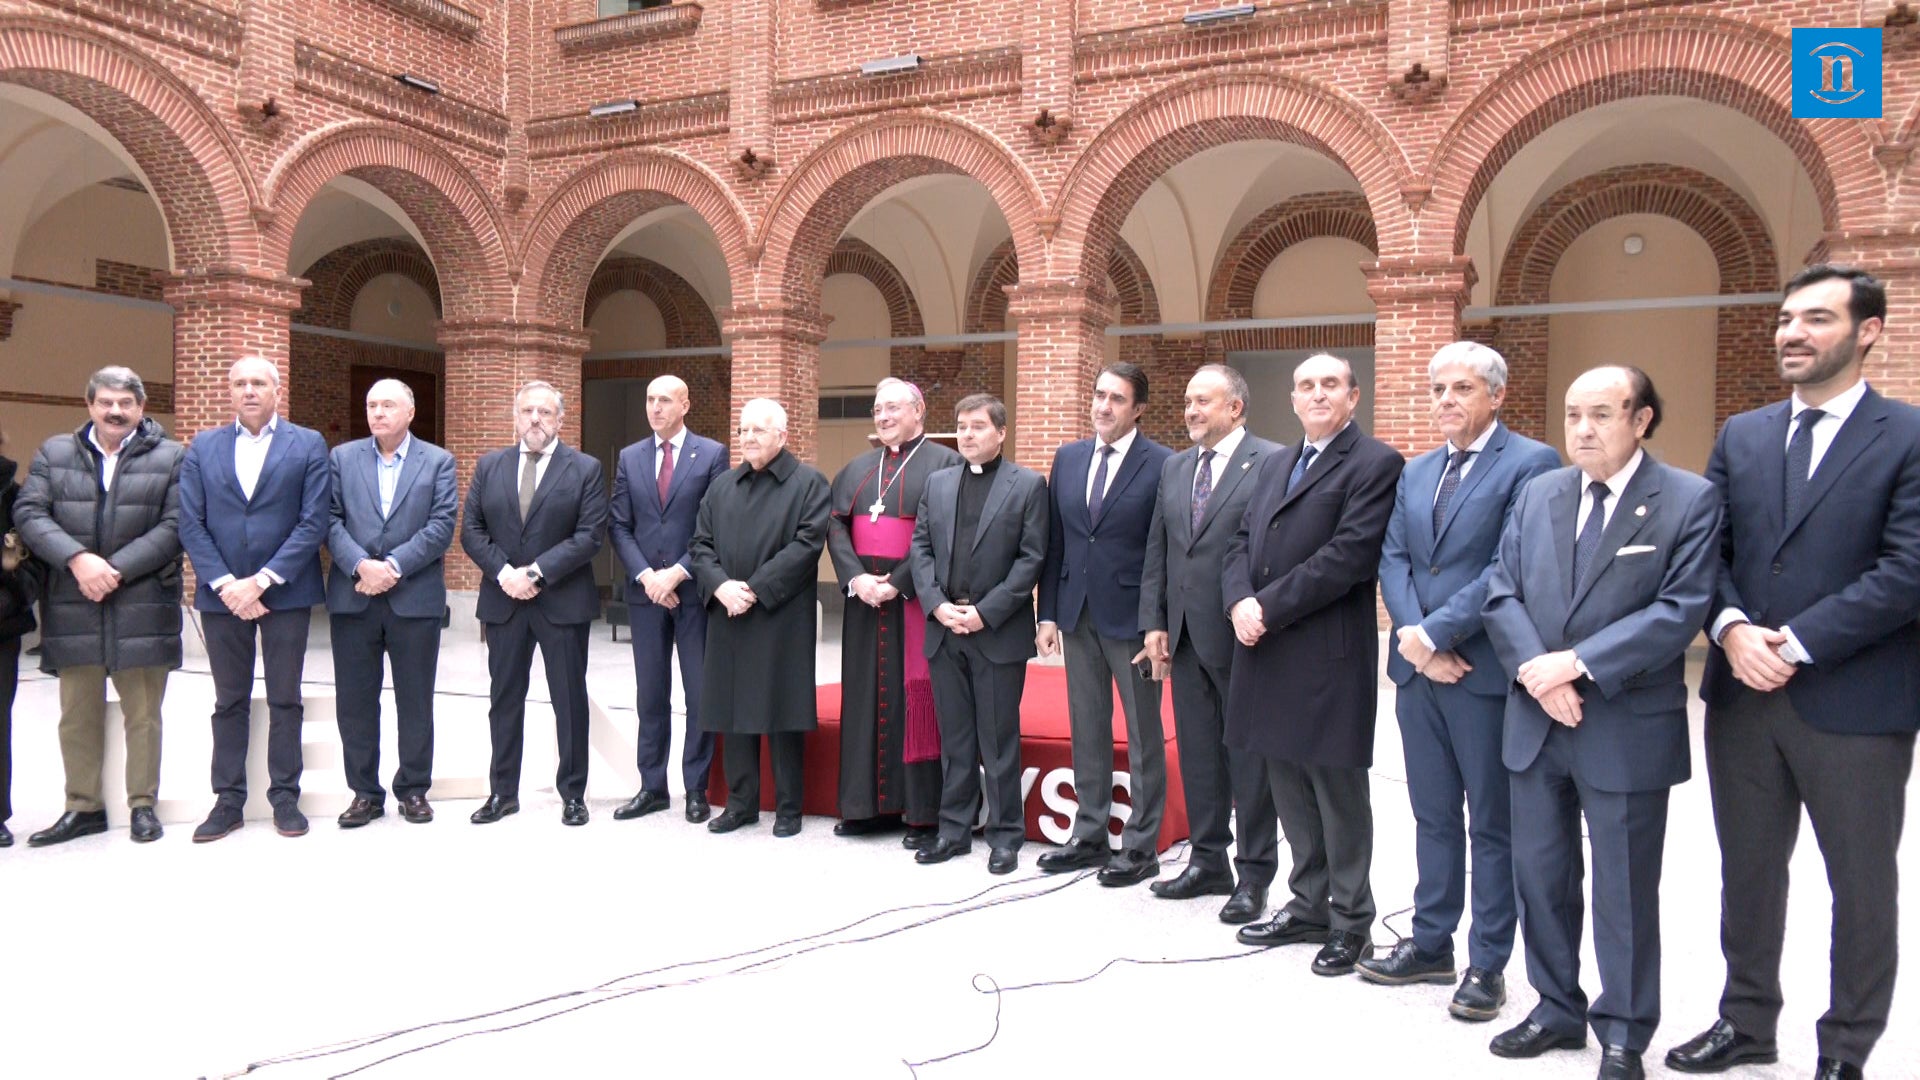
<point>83,721</point>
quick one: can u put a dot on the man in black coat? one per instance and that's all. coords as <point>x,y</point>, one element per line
<point>1298,582</point>
<point>101,507</point>
<point>19,585</point>
<point>535,516</point>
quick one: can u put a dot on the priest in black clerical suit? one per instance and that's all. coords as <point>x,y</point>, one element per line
<point>889,744</point>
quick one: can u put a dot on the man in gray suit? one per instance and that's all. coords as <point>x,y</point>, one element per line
<point>394,502</point>
<point>1203,495</point>
<point>1605,575</point>
<point>979,542</point>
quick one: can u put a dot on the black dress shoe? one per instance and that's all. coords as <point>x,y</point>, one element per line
<point>1479,997</point>
<point>1530,1040</point>
<point>785,825</point>
<point>360,811</point>
<point>1343,949</point>
<point>919,837</point>
<point>221,820</point>
<point>647,802</point>
<point>6,837</point>
<point>72,825</point>
<point>1620,1063</point>
<point>1720,1048</point>
<point>1834,1069</point>
<point>1194,881</point>
<point>1247,903</point>
<point>941,850</point>
<point>883,823</point>
<point>416,810</point>
<point>1404,964</point>
<point>495,808</point>
<point>573,812</point>
<point>698,809</point>
<point>1077,855</point>
<point>731,819</point>
<point>1282,929</point>
<point>1129,868</point>
<point>145,826</point>
<point>1003,860</point>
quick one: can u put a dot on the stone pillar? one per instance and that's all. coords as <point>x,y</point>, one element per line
<point>1418,301</point>
<point>221,314</point>
<point>486,364</point>
<point>1059,352</point>
<point>776,354</point>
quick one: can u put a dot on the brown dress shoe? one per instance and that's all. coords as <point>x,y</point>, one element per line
<point>360,811</point>
<point>415,810</point>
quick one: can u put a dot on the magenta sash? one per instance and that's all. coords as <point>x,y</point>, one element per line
<point>890,538</point>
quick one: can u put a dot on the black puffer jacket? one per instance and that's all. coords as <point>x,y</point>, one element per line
<point>62,512</point>
<point>19,587</point>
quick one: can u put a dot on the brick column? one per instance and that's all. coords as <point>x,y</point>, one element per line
<point>1895,260</point>
<point>221,314</point>
<point>487,363</point>
<point>1059,352</point>
<point>776,354</point>
<point>1417,300</point>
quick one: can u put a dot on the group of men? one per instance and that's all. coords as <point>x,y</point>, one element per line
<point>1540,622</point>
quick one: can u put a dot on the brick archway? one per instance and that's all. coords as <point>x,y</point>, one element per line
<point>340,274</point>
<point>442,199</point>
<point>571,231</point>
<point>687,317</point>
<point>1728,62</point>
<point>320,367</point>
<point>1742,250</point>
<point>1175,124</point>
<point>861,259</point>
<point>192,163</point>
<point>814,207</point>
<point>1245,259</point>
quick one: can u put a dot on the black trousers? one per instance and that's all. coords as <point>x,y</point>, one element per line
<point>9,683</point>
<point>281,639</point>
<point>361,642</point>
<point>1327,813</point>
<point>1215,777</point>
<point>563,650</point>
<point>1764,763</point>
<point>740,754</point>
<point>978,704</point>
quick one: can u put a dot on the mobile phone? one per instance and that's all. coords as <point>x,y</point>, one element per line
<point>1144,667</point>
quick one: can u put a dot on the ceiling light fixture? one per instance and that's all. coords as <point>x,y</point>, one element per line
<point>891,65</point>
<point>614,108</point>
<point>416,82</point>
<point>1205,18</point>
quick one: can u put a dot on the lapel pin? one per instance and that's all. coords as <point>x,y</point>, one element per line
<point>1245,465</point>
<point>1640,511</point>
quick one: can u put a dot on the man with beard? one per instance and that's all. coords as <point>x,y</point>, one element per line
<point>756,556</point>
<point>1813,684</point>
<point>533,524</point>
<point>102,508</point>
<point>889,743</point>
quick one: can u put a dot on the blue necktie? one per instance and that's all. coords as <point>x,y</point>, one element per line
<point>1588,545</point>
<point>1202,486</point>
<point>1800,461</point>
<point>1099,495</point>
<point>1449,484</point>
<point>1307,454</point>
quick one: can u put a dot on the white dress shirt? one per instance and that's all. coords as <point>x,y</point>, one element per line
<point>1223,452</point>
<point>1474,450</point>
<point>109,459</point>
<point>1120,448</point>
<point>1616,484</point>
<point>542,459</point>
<point>249,457</point>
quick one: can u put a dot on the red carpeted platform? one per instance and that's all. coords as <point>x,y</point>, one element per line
<point>1046,763</point>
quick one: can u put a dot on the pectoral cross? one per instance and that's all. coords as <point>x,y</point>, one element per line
<point>873,512</point>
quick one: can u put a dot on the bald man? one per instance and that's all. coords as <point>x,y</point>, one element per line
<point>657,488</point>
<point>394,502</point>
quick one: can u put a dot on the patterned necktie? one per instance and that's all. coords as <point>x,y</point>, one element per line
<point>1098,496</point>
<point>1202,486</point>
<point>1588,545</point>
<point>1449,484</point>
<point>666,470</point>
<point>1800,461</point>
<point>1300,467</point>
<point>529,478</point>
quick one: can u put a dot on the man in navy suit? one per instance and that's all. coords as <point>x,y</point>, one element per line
<point>394,503</point>
<point>1090,595</point>
<point>254,496</point>
<point>534,517</point>
<point>657,488</point>
<point>1605,575</point>
<point>1813,687</point>
<point>1447,516</point>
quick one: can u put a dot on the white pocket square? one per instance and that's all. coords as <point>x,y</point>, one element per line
<point>1636,549</point>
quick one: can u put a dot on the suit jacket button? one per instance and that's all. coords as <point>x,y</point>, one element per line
<point>1433,570</point>
<point>1266,571</point>
<point>1778,569</point>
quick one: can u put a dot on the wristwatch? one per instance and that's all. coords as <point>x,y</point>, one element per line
<point>534,575</point>
<point>264,580</point>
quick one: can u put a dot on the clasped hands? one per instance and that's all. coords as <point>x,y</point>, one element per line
<point>519,584</point>
<point>96,576</point>
<point>663,586</point>
<point>958,618</point>
<point>1445,667</point>
<point>242,597</point>
<point>736,596</point>
<point>1754,653</point>
<point>1549,678</point>
<point>873,590</point>
<point>374,576</point>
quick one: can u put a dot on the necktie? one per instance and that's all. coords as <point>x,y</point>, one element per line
<point>666,470</point>
<point>1588,545</point>
<point>1099,494</point>
<point>1449,484</point>
<point>1800,461</point>
<point>1202,486</point>
<point>529,477</point>
<point>1307,454</point>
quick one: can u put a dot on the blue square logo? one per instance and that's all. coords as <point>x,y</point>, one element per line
<point>1836,72</point>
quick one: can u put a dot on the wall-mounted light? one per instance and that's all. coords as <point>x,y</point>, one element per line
<point>1205,18</point>
<point>891,65</point>
<point>417,83</point>
<point>1634,244</point>
<point>614,108</point>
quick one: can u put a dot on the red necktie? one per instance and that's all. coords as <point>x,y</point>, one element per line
<point>666,470</point>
